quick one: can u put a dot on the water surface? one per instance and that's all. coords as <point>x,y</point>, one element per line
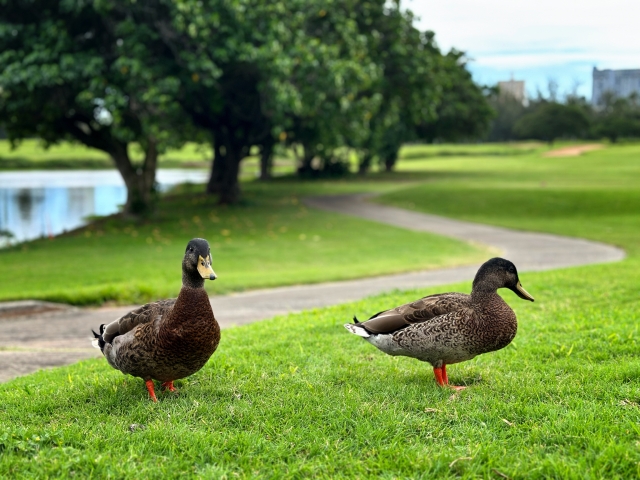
<point>41,203</point>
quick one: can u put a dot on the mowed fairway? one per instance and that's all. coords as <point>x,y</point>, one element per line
<point>298,396</point>
<point>30,154</point>
<point>271,239</point>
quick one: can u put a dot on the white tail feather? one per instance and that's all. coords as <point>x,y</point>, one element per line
<point>357,330</point>
<point>95,344</point>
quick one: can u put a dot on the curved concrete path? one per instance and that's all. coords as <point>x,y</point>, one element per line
<point>35,335</point>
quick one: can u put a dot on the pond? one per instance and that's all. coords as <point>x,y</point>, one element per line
<point>42,203</point>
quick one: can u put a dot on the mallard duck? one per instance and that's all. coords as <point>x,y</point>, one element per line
<point>169,339</point>
<point>449,327</point>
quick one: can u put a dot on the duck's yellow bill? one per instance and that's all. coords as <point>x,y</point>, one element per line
<point>526,294</point>
<point>204,268</point>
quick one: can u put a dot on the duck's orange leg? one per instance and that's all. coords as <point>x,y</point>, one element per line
<point>443,379</point>
<point>437,371</point>
<point>152,393</point>
<point>169,385</point>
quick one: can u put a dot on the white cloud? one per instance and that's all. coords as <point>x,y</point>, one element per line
<point>513,35</point>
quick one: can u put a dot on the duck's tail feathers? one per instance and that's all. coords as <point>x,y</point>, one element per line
<point>98,341</point>
<point>357,329</point>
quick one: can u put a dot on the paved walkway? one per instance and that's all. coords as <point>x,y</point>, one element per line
<point>35,335</point>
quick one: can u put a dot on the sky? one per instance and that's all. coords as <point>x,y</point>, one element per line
<point>559,40</point>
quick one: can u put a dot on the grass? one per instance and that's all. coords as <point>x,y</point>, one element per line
<point>30,154</point>
<point>420,152</point>
<point>296,396</point>
<point>270,240</point>
<point>595,195</point>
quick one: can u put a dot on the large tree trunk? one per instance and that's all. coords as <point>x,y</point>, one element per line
<point>306,167</point>
<point>140,182</point>
<point>390,159</point>
<point>230,186</point>
<point>217,168</point>
<point>365,163</point>
<point>266,160</point>
<point>225,170</point>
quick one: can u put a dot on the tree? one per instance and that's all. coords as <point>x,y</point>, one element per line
<point>409,87</point>
<point>426,95</point>
<point>463,112</point>
<point>508,111</point>
<point>331,85</point>
<point>551,120</point>
<point>618,117</point>
<point>68,72</point>
<point>252,73</point>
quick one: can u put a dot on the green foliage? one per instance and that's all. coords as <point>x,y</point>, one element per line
<point>508,111</point>
<point>618,118</point>
<point>237,74</point>
<point>298,396</point>
<point>69,73</point>
<point>463,112</point>
<point>427,96</point>
<point>551,120</point>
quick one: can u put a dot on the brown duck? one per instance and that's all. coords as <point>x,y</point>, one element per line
<point>169,339</point>
<point>450,327</point>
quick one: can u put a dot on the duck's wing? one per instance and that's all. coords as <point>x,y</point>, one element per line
<point>419,311</point>
<point>145,314</point>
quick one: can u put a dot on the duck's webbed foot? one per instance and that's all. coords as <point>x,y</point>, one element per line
<point>442,379</point>
<point>150,388</point>
<point>169,386</point>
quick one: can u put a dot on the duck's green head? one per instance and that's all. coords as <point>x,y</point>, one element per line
<point>196,265</point>
<point>500,273</point>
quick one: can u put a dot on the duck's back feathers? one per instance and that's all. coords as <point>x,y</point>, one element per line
<point>145,314</point>
<point>420,311</point>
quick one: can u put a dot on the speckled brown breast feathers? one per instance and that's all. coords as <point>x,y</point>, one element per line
<point>186,345</point>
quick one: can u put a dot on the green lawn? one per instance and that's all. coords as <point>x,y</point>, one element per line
<point>297,396</point>
<point>271,239</point>
<point>30,154</point>
<point>421,152</point>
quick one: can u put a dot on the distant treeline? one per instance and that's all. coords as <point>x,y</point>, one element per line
<point>549,119</point>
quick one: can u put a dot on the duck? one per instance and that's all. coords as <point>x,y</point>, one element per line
<point>451,327</point>
<point>168,339</point>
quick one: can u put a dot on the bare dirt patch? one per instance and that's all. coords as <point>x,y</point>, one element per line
<point>574,150</point>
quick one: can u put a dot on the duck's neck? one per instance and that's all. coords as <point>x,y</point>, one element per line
<point>191,315</point>
<point>484,295</point>
<point>189,305</point>
<point>191,281</point>
<point>190,296</point>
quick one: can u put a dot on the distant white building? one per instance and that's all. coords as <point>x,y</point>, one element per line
<point>513,88</point>
<point>621,83</point>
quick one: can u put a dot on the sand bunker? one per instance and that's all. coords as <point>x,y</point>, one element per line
<point>573,151</point>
